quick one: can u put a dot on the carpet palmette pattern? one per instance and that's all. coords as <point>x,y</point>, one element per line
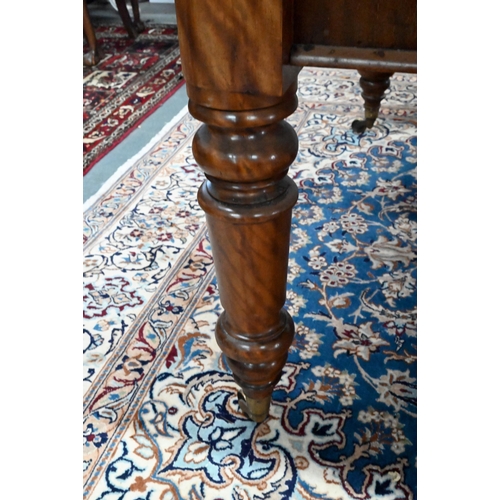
<point>161,419</point>
<point>131,81</point>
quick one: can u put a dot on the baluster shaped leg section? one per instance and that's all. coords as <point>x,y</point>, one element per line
<point>248,200</point>
<point>374,85</point>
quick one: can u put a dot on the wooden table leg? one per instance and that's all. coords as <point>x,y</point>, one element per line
<point>373,84</point>
<point>248,200</point>
<point>239,89</point>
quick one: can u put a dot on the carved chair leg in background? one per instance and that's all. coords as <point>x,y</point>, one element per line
<point>373,85</point>
<point>248,200</point>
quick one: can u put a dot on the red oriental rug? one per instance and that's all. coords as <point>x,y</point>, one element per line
<point>131,81</point>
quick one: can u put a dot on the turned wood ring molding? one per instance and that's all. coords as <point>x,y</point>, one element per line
<point>245,156</point>
<point>250,214</point>
<point>247,118</point>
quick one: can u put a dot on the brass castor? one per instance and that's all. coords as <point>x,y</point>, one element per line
<point>255,409</point>
<point>373,87</point>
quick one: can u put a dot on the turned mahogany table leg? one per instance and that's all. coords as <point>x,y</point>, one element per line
<point>373,84</point>
<point>94,55</point>
<point>239,86</point>
<point>248,200</point>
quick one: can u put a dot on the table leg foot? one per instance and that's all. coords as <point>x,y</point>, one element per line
<point>255,409</point>
<point>373,85</point>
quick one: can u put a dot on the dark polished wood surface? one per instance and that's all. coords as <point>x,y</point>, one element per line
<point>377,35</point>
<point>241,59</point>
<point>380,24</point>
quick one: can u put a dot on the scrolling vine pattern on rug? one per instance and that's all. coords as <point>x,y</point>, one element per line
<point>161,418</point>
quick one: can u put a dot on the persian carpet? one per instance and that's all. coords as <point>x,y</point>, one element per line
<point>131,81</point>
<point>161,418</point>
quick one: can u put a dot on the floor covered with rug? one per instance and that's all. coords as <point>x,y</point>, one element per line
<point>131,81</point>
<point>161,418</point>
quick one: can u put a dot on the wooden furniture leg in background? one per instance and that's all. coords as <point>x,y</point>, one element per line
<point>239,89</point>
<point>94,56</point>
<point>139,25</point>
<point>373,85</point>
<point>133,28</point>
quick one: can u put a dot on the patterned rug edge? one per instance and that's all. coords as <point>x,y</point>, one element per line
<point>123,169</point>
<point>101,155</point>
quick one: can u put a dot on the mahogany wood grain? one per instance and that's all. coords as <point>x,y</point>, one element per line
<point>248,201</point>
<point>238,86</point>
<point>235,46</point>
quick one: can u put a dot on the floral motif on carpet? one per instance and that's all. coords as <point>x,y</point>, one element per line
<point>161,418</point>
<point>130,82</point>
